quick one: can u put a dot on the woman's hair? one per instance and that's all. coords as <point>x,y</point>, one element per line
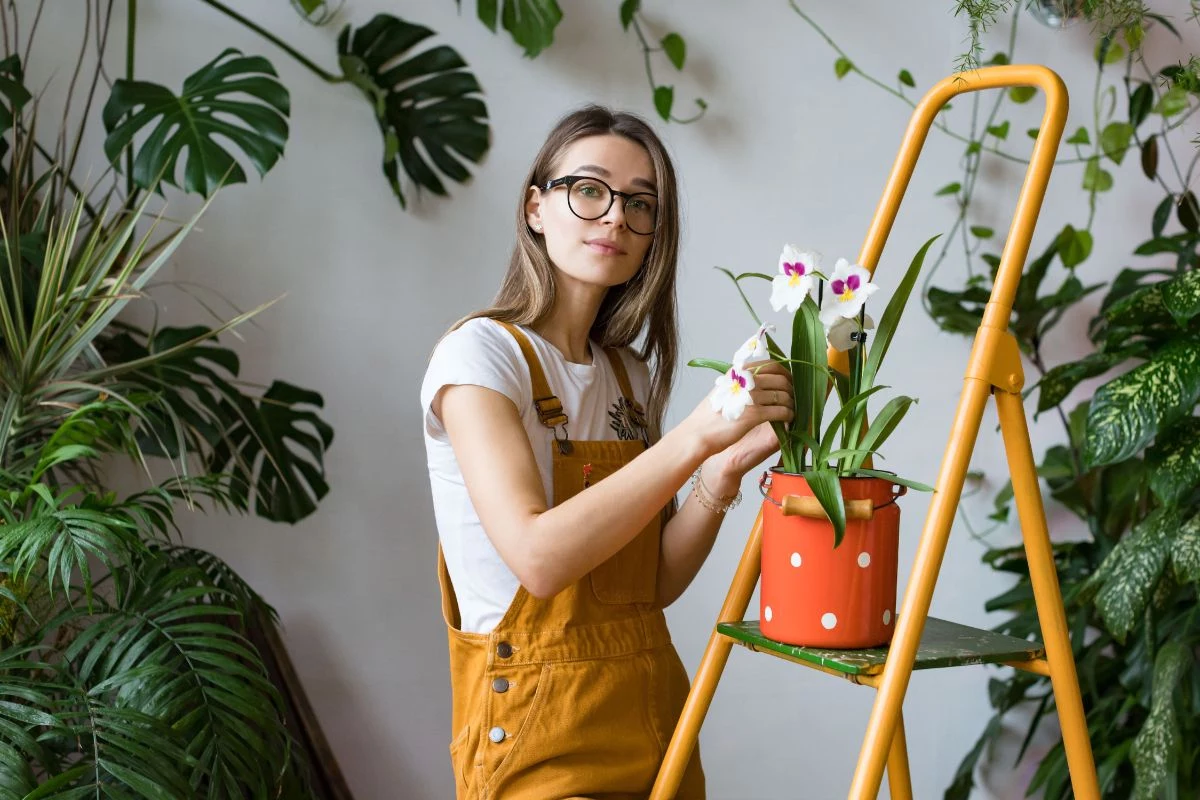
<point>643,305</point>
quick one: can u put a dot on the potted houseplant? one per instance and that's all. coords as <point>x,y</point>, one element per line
<point>830,520</point>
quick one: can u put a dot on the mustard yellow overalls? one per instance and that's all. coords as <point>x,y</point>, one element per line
<point>575,696</point>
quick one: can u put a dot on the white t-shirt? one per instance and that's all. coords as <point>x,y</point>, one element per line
<point>482,353</point>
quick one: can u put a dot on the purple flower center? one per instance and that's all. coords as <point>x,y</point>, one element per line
<point>738,378</point>
<point>850,283</point>
<point>797,268</point>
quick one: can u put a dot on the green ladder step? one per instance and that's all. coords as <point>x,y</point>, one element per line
<point>943,644</point>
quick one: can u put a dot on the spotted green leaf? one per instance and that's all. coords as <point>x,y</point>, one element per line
<point>1174,461</point>
<point>1129,411</point>
<point>1058,382</point>
<point>1176,299</point>
<point>1155,749</point>
<point>1185,552</point>
<point>1130,578</point>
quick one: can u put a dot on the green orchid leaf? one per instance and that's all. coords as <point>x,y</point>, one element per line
<point>892,313</point>
<point>420,97</point>
<point>881,428</point>
<point>1156,747</point>
<point>233,98</point>
<point>810,383</point>
<point>1128,576</point>
<point>708,363</point>
<point>1174,462</point>
<point>848,411</point>
<point>531,23</point>
<point>828,490</point>
<point>894,478</point>
<point>1129,411</point>
<point>738,286</point>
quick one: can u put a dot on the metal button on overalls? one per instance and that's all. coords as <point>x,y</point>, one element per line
<point>500,685</point>
<point>497,735</point>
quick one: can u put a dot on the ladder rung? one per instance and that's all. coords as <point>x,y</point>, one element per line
<point>943,644</point>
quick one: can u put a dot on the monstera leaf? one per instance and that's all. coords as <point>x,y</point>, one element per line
<point>531,22</point>
<point>234,98</point>
<point>270,449</point>
<point>425,97</point>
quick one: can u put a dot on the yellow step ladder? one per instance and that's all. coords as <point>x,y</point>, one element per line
<point>919,642</point>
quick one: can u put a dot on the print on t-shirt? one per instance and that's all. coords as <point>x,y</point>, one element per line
<point>628,420</point>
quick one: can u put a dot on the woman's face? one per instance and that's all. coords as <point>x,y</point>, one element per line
<point>605,251</point>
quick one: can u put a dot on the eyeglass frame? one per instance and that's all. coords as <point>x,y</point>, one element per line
<point>570,180</point>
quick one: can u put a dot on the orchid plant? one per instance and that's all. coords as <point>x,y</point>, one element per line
<point>828,311</point>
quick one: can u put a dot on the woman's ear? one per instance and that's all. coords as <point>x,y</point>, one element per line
<point>533,209</point>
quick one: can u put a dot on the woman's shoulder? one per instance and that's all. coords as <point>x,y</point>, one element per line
<point>478,337</point>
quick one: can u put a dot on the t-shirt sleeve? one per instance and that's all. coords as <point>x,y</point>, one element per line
<point>479,353</point>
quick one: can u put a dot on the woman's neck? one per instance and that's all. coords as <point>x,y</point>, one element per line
<point>569,324</point>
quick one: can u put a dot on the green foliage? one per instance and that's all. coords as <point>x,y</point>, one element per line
<point>1127,467</point>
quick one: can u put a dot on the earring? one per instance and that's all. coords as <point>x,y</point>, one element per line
<point>537,227</point>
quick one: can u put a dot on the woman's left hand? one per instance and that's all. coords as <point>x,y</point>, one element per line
<point>724,471</point>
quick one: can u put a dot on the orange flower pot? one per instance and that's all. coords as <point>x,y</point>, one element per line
<point>814,594</point>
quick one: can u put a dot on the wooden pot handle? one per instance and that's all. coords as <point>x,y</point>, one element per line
<point>798,505</point>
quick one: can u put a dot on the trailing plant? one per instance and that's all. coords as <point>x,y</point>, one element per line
<point>823,452</point>
<point>1129,465</point>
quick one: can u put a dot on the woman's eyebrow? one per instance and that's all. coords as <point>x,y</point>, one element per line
<point>603,173</point>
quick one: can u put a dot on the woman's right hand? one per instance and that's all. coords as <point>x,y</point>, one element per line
<point>773,402</point>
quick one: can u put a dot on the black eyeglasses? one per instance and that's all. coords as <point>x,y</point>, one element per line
<point>591,198</point>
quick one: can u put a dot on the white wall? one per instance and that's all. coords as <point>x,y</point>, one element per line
<point>786,153</point>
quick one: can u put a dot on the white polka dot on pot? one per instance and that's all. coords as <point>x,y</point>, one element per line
<point>768,613</point>
<point>887,616</point>
<point>796,560</point>
<point>864,560</point>
<point>828,621</point>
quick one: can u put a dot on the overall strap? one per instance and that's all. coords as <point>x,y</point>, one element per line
<point>549,408</point>
<point>618,368</point>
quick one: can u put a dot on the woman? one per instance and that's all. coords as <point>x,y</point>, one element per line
<point>554,491</point>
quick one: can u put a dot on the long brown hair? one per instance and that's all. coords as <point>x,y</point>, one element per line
<point>644,305</point>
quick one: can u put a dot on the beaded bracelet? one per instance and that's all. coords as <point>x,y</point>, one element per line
<point>717,505</point>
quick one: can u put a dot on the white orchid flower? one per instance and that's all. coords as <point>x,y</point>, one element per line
<point>754,349</point>
<point>795,278</point>
<point>841,334</point>
<point>732,394</point>
<point>849,286</point>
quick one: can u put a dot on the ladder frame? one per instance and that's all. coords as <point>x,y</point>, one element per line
<point>995,369</point>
